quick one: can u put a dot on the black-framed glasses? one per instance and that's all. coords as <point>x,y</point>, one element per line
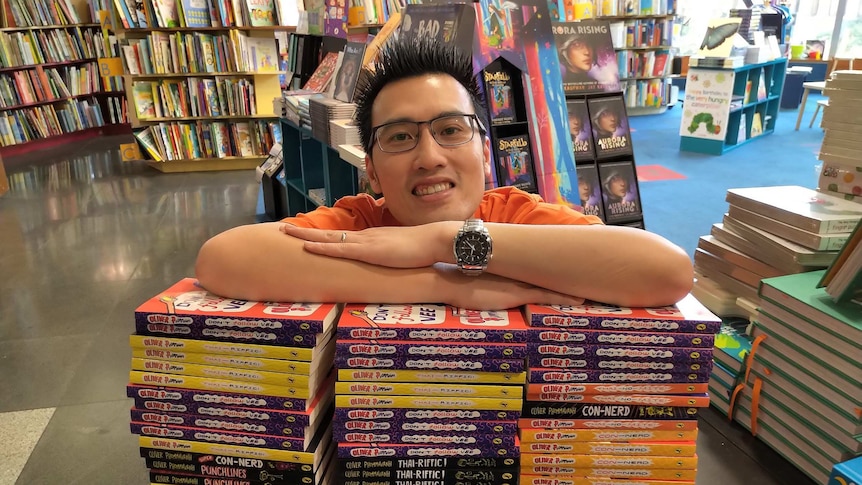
<point>447,130</point>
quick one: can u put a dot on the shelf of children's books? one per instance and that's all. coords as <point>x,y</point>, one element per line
<point>199,118</point>
<point>57,100</point>
<point>206,164</point>
<point>205,74</point>
<point>642,48</point>
<point>635,17</point>
<point>46,27</point>
<point>265,28</point>
<point>48,64</point>
<point>64,139</point>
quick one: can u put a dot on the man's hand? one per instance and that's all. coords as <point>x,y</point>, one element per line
<point>393,247</point>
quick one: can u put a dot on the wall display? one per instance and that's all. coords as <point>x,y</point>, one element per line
<point>610,127</point>
<point>620,191</point>
<point>587,59</point>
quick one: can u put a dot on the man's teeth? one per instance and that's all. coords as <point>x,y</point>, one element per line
<point>432,189</point>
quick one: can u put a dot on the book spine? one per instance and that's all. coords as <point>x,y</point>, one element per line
<point>202,464</point>
<point>618,388</point>
<point>209,422</point>
<point>254,336</point>
<point>444,335</point>
<point>395,415</point>
<point>459,428</point>
<point>611,461</point>
<point>542,375</point>
<point>599,337</point>
<point>624,449</point>
<point>430,402</point>
<point>272,407</point>
<point>615,424</point>
<point>453,377</point>
<point>622,323</point>
<point>208,384</point>
<point>214,411</point>
<point>271,365</point>
<point>404,389</point>
<point>300,382</point>
<point>212,322</point>
<point>602,476</point>
<point>173,444</point>
<point>416,438</point>
<point>346,450</point>
<point>540,435</point>
<point>220,436</point>
<point>539,409</point>
<point>222,348</point>
<point>391,349</point>
<point>646,400</point>
<point>461,364</point>
<point>456,463</point>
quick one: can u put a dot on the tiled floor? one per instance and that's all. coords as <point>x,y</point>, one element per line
<point>84,239</point>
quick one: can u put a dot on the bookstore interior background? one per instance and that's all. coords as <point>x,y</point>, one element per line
<point>770,336</point>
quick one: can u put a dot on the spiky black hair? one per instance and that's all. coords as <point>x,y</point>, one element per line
<point>407,57</point>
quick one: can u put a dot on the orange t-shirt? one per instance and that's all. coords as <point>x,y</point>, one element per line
<point>505,205</point>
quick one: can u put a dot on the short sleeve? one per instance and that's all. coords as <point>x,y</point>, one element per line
<point>351,213</point>
<point>513,206</point>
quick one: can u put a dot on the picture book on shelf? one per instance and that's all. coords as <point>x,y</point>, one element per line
<point>499,93</point>
<point>447,23</point>
<point>581,130</point>
<point>321,77</point>
<point>515,163</point>
<point>587,57</point>
<point>261,13</point>
<point>348,73</point>
<point>196,13</point>
<point>620,191</point>
<point>610,127</point>
<point>590,191</point>
<point>262,54</point>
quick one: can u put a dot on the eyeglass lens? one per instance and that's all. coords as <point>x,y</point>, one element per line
<point>447,130</point>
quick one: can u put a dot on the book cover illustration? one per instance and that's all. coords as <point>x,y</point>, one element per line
<point>590,192</point>
<point>321,77</point>
<point>581,130</point>
<point>335,18</point>
<point>351,64</point>
<point>263,54</point>
<point>500,94</point>
<point>718,40</point>
<point>620,191</point>
<point>261,13</point>
<point>687,315</point>
<point>515,163</point>
<point>587,57</point>
<point>447,23</point>
<point>610,127</point>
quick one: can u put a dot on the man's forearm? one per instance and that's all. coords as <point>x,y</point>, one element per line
<point>602,263</point>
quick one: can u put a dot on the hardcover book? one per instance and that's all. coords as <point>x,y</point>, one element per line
<point>321,77</point>
<point>620,191</point>
<point>261,12</point>
<point>800,207</point>
<point>515,163</point>
<point>500,93</point>
<point>843,278</point>
<point>348,74</point>
<point>581,129</point>
<point>590,191</point>
<point>610,127</point>
<point>587,58</point>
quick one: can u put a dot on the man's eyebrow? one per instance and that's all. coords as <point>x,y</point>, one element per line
<point>441,114</point>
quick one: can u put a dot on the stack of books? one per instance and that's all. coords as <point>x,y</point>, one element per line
<point>232,388</point>
<point>294,107</point>
<point>614,393</point>
<point>803,395</point>
<point>428,392</point>
<point>732,345</point>
<point>323,110</point>
<point>343,132</point>
<point>768,232</point>
<point>841,173</point>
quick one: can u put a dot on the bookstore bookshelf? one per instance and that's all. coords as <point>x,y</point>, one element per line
<point>52,87</point>
<point>727,108</point>
<point>200,82</point>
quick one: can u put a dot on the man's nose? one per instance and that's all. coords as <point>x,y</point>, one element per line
<point>428,153</point>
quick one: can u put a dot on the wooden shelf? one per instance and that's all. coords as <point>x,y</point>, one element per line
<point>49,64</point>
<point>57,100</point>
<point>206,164</point>
<point>364,26</point>
<point>47,27</point>
<point>215,118</point>
<point>205,74</point>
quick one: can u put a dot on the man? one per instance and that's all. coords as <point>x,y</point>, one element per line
<point>420,120</point>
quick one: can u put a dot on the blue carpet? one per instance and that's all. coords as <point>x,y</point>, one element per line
<point>683,210</point>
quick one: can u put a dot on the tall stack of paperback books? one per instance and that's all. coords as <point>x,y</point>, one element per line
<point>323,110</point>
<point>614,393</point>
<point>768,232</point>
<point>841,173</point>
<point>802,394</point>
<point>233,389</point>
<point>428,394</point>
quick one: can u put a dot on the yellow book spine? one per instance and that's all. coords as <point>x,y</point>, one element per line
<point>623,449</point>
<point>405,389</point>
<point>246,375</point>
<point>431,402</point>
<point>610,461</point>
<point>540,435</point>
<point>454,377</point>
<point>239,362</point>
<point>226,348</point>
<point>227,450</point>
<point>222,385</point>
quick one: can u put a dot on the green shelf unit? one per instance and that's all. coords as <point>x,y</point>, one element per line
<point>311,164</point>
<point>772,73</point>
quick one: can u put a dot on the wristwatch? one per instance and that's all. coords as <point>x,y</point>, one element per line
<point>473,247</point>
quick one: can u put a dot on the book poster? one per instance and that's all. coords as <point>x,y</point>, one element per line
<point>587,57</point>
<point>620,191</point>
<point>581,130</point>
<point>515,163</point>
<point>500,94</point>
<point>610,127</point>
<point>345,80</point>
<point>707,104</point>
<point>589,189</point>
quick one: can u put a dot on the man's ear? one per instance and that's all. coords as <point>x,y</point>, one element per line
<point>372,175</point>
<point>486,154</point>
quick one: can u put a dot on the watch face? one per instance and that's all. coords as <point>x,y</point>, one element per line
<point>473,248</point>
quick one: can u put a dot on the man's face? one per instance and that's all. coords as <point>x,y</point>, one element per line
<point>619,186</point>
<point>608,121</point>
<point>580,55</point>
<point>584,189</point>
<point>429,183</point>
<point>574,125</point>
